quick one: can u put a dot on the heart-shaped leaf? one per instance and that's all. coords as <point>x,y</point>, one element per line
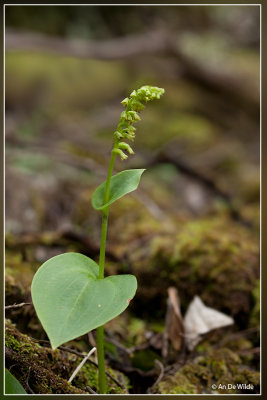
<point>12,385</point>
<point>70,300</point>
<point>122,183</point>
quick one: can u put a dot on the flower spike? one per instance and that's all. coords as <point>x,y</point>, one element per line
<point>134,104</point>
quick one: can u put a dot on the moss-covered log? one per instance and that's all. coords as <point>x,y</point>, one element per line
<point>42,370</point>
<point>213,258</point>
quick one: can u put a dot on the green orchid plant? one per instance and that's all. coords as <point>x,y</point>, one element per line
<point>70,294</point>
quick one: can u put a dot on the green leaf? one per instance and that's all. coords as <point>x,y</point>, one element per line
<point>70,300</point>
<point>122,183</point>
<point>12,385</point>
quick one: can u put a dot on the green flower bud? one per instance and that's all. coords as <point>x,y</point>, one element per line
<point>137,105</point>
<point>133,94</point>
<point>133,116</point>
<point>125,101</point>
<point>129,132</point>
<point>122,155</point>
<point>118,135</point>
<point>126,146</point>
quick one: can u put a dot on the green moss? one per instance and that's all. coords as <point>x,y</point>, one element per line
<point>50,369</point>
<point>213,258</point>
<point>220,366</point>
<point>21,346</point>
<point>178,385</point>
<point>87,373</point>
<point>88,376</point>
<point>113,388</point>
<point>220,362</point>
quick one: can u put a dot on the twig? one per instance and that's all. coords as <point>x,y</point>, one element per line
<point>128,350</point>
<point>71,351</point>
<point>90,390</point>
<point>81,364</point>
<point>128,369</point>
<point>118,345</point>
<point>67,349</point>
<point>236,335</point>
<point>161,374</point>
<point>17,305</point>
<point>255,350</point>
<point>139,347</point>
<point>27,382</point>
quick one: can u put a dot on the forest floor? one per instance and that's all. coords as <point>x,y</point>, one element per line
<point>191,229</point>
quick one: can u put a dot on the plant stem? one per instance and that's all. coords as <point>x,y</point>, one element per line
<point>105,219</point>
<point>104,229</point>
<point>102,383</point>
<point>100,330</point>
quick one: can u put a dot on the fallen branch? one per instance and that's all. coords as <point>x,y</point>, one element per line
<point>160,41</point>
<point>112,49</point>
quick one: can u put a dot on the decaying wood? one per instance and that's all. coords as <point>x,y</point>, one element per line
<point>24,353</point>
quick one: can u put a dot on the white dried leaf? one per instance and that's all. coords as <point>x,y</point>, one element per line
<point>200,319</point>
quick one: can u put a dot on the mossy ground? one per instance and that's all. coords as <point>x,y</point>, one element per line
<point>214,258</point>
<point>42,370</point>
<point>215,372</point>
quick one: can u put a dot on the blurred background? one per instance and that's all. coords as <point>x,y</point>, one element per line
<point>194,221</point>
